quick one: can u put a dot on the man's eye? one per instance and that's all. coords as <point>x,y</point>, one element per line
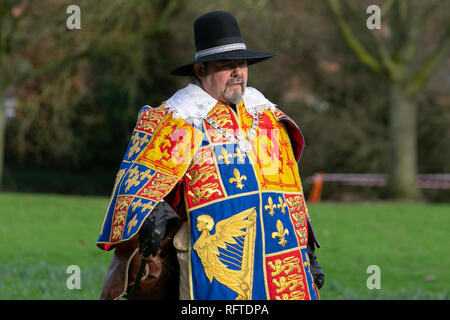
<point>229,66</point>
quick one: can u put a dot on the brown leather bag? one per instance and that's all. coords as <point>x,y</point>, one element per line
<point>160,278</point>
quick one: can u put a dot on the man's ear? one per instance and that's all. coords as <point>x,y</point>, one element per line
<point>200,70</point>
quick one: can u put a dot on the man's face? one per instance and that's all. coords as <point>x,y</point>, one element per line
<point>225,80</point>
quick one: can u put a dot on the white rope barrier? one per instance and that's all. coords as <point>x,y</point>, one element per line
<point>425,181</point>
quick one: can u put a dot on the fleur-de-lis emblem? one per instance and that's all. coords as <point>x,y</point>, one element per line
<point>281,204</point>
<point>132,223</point>
<point>238,179</point>
<point>135,177</point>
<point>280,233</point>
<point>270,206</point>
<point>137,143</point>
<point>307,263</point>
<point>225,156</point>
<point>240,155</point>
<point>136,204</point>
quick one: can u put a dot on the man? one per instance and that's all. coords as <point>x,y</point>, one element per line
<point>225,158</point>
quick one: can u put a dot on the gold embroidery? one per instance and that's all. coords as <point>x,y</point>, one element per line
<point>203,174</point>
<point>287,265</point>
<point>290,282</point>
<point>150,119</point>
<point>295,203</point>
<point>135,177</point>
<point>122,204</point>
<point>204,191</point>
<point>307,262</point>
<point>135,144</point>
<point>117,231</point>
<point>136,204</point>
<point>240,155</point>
<point>232,235</point>
<point>225,156</point>
<point>132,223</point>
<point>138,142</point>
<point>238,179</point>
<point>159,186</point>
<point>118,177</point>
<point>223,117</point>
<point>153,121</point>
<point>296,295</point>
<point>300,225</point>
<point>139,203</point>
<point>302,234</point>
<point>132,178</point>
<point>270,206</point>
<point>299,219</point>
<point>120,217</point>
<point>281,232</point>
<point>281,205</point>
<point>147,206</point>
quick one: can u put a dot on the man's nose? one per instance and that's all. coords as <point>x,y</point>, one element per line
<point>237,70</point>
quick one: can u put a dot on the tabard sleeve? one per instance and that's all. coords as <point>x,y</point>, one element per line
<point>157,157</point>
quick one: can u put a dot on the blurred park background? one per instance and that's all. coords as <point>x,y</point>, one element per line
<point>368,101</point>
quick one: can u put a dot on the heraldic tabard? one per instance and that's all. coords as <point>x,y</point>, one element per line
<point>249,224</point>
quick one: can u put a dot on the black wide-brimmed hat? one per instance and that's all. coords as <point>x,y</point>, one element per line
<point>217,37</point>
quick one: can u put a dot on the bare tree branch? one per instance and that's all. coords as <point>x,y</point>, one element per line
<point>386,6</point>
<point>363,55</point>
<point>430,9</point>
<point>383,52</point>
<point>421,77</point>
<point>412,31</point>
<point>403,10</point>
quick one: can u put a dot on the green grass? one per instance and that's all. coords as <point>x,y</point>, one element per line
<point>41,235</point>
<point>409,242</point>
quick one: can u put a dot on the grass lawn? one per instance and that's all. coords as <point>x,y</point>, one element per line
<point>408,242</point>
<point>42,235</point>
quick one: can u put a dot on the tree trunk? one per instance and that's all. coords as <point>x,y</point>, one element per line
<point>403,132</point>
<point>3,13</point>
<point>2,130</point>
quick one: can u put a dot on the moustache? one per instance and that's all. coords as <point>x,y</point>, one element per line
<point>235,80</point>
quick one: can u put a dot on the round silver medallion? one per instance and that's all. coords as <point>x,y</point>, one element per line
<point>245,145</point>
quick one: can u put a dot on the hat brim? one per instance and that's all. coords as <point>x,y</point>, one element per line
<point>252,57</point>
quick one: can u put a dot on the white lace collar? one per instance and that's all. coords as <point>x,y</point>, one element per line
<point>193,104</point>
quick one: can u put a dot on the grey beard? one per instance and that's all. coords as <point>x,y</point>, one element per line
<point>236,96</point>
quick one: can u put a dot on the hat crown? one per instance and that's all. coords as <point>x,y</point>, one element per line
<point>217,37</point>
<point>215,29</point>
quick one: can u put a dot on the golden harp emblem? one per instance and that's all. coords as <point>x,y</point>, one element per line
<point>227,255</point>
